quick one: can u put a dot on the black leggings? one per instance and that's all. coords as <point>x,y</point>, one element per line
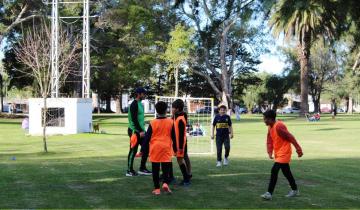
<point>285,168</point>
<point>165,167</point>
<point>219,144</point>
<point>133,151</point>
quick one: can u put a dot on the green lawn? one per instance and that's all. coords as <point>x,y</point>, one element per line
<point>87,170</point>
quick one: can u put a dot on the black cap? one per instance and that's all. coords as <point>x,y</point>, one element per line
<point>140,90</point>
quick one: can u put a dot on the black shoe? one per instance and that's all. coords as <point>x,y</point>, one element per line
<point>185,183</point>
<point>131,173</point>
<point>145,172</point>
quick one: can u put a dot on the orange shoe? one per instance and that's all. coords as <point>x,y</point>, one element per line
<point>156,192</point>
<point>166,188</point>
<point>139,154</point>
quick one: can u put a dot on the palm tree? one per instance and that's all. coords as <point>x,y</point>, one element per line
<point>304,20</point>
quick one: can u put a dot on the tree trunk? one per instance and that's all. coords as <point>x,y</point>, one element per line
<point>108,104</point>
<point>118,103</point>
<point>45,123</point>
<point>176,81</point>
<point>304,54</point>
<point>1,95</point>
<point>350,108</point>
<point>317,106</point>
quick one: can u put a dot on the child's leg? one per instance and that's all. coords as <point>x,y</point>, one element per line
<point>227,147</point>
<point>183,169</point>
<point>274,175</point>
<point>285,168</point>
<point>145,154</point>
<point>166,167</point>
<point>131,156</point>
<point>155,174</point>
<point>219,144</point>
<point>187,161</point>
<point>171,171</point>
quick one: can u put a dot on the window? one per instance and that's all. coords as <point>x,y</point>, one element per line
<point>55,117</point>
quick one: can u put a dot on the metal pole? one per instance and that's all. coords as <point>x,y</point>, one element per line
<point>54,50</point>
<point>86,52</point>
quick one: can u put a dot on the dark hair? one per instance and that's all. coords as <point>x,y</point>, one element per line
<point>222,107</point>
<point>178,104</point>
<point>161,107</point>
<point>270,114</point>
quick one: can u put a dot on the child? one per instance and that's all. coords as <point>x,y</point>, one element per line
<point>159,138</point>
<point>279,140</point>
<point>224,132</point>
<point>179,134</point>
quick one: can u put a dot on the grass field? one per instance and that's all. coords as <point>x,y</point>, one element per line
<point>87,170</point>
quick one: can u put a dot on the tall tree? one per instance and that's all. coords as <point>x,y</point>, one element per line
<point>324,68</point>
<point>305,21</point>
<point>14,13</point>
<point>178,51</point>
<point>34,51</point>
<point>222,30</point>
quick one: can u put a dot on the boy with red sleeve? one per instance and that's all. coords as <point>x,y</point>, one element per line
<point>159,139</point>
<point>279,141</point>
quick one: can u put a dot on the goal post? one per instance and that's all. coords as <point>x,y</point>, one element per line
<point>200,112</point>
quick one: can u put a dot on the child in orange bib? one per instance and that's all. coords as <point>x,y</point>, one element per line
<point>279,141</point>
<point>159,139</point>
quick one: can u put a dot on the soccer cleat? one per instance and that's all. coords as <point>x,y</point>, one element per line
<point>144,172</point>
<point>184,183</point>
<point>156,192</point>
<point>218,164</point>
<point>267,196</point>
<point>172,180</point>
<point>226,162</point>
<point>139,154</point>
<point>166,188</point>
<point>292,193</point>
<point>131,173</point>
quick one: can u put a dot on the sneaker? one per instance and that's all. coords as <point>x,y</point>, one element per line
<point>184,183</point>
<point>292,193</point>
<point>226,162</point>
<point>166,188</point>
<point>267,196</point>
<point>218,164</point>
<point>172,180</point>
<point>139,154</point>
<point>131,173</point>
<point>144,172</point>
<point>156,192</point>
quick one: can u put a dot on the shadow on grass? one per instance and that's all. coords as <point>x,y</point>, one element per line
<point>100,182</point>
<point>328,129</point>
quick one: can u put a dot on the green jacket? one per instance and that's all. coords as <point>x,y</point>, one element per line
<point>136,117</point>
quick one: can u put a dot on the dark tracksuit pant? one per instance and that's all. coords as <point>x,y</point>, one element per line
<point>220,141</point>
<point>165,167</point>
<point>133,151</point>
<point>285,168</point>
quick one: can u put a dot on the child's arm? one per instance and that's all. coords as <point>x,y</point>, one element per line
<point>148,135</point>
<point>269,145</point>
<point>231,131</point>
<point>213,128</point>
<point>181,136</point>
<point>212,131</point>
<point>285,134</point>
<point>173,137</point>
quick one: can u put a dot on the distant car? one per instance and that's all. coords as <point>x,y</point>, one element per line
<point>325,110</point>
<point>289,110</point>
<point>205,110</point>
<point>243,110</point>
<point>339,110</point>
<point>256,110</point>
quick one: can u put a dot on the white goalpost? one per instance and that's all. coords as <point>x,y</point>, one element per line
<point>200,113</point>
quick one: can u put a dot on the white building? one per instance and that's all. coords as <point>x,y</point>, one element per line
<point>64,115</point>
